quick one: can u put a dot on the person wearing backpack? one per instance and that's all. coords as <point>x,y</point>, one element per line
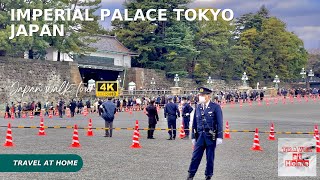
<point>108,110</point>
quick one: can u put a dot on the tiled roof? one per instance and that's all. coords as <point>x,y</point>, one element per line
<point>314,51</point>
<point>110,44</point>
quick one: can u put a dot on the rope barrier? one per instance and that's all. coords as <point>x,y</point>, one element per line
<point>146,129</point>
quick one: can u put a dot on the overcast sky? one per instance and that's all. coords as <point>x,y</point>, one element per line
<point>301,16</point>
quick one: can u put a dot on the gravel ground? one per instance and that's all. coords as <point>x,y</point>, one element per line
<point>111,158</point>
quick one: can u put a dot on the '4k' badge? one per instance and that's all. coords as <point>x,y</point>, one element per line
<point>107,89</point>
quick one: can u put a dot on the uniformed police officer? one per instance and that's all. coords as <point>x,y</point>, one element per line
<point>186,111</point>
<point>171,111</point>
<point>207,132</point>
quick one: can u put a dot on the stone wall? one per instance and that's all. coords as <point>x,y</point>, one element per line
<point>142,77</point>
<point>40,80</point>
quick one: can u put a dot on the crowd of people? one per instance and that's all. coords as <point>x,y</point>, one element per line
<point>139,103</point>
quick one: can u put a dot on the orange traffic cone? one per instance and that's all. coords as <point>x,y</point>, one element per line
<point>130,111</point>
<point>56,113</point>
<point>6,116</point>
<point>259,102</point>
<point>283,101</point>
<point>271,135</point>
<point>12,116</point>
<point>256,142</point>
<point>40,114</point>
<point>50,114</point>
<point>227,131</point>
<point>31,115</point>
<point>85,112</point>
<point>41,130</point>
<point>24,115</point>
<point>317,144</point>
<point>135,140</point>
<point>182,134</point>
<point>9,142</point>
<point>136,127</point>
<point>316,131</point>
<point>68,113</point>
<point>90,132</point>
<point>275,101</point>
<point>75,138</point>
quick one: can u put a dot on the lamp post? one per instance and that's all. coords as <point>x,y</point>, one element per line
<point>303,73</point>
<point>176,80</point>
<point>119,81</point>
<point>210,82</point>
<point>310,74</point>
<point>277,81</point>
<point>153,83</point>
<point>307,76</point>
<point>245,79</point>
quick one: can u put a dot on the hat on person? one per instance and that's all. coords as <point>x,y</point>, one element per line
<point>204,90</point>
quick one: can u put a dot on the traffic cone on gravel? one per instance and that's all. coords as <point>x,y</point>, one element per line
<point>41,130</point>
<point>12,116</point>
<point>50,114</point>
<point>182,134</point>
<point>9,142</point>
<point>135,140</point>
<point>6,116</point>
<point>24,115</point>
<point>90,133</point>
<point>317,144</point>
<point>31,115</point>
<point>136,127</point>
<point>271,135</point>
<point>256,142</point>
<point>75,138</point>
<point>316,131</point>
<point>227,131</point>
<point>68,113</point>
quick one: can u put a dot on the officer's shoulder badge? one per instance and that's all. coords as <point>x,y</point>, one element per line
<point>201,90</point>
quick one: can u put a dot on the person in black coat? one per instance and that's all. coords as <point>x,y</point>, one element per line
<point>153,118</point>
<point>186,111</point>
<point>72,106</point>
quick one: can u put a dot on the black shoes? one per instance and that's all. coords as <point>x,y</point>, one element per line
<point>190,177</point>
<point>150,138</point>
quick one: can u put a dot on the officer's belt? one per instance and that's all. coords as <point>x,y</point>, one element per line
<point>172,115</point>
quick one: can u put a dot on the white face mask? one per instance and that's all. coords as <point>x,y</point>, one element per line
<point>202,99</point>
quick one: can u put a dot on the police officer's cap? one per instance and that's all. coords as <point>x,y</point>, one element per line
<point>204,90</point>
<point>184,98</point>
